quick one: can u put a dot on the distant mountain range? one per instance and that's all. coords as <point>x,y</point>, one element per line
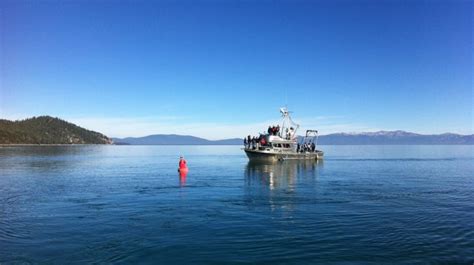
<point>174,139</point>
<point>366,138</point>
<point>394,138</point>
<point>47,130</point>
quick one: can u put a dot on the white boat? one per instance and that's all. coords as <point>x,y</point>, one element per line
<point>283,144</point>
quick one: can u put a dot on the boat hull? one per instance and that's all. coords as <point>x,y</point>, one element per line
<point>259,155</point>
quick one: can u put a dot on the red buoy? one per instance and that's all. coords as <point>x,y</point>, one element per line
<point>183,167</point>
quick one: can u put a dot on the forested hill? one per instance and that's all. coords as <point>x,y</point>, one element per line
<point>47,130</point>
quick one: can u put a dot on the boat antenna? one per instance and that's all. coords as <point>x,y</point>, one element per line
<point>287,121</point>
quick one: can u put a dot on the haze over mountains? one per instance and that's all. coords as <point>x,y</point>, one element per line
<point>174,139</point>
<point>395,137</point>
<point>49,130</point>
<point>366,138</point>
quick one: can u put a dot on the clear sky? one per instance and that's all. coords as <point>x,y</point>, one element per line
<point>220,69</point>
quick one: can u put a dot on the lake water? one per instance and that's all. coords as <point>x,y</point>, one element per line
<point>127,204</point>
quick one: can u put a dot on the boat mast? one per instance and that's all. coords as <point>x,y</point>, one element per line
<point>287,122</point>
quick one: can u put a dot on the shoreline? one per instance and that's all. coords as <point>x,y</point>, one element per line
<point>20,145</point>
<point>31,145</point>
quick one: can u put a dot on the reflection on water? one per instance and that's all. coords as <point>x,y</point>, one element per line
<point>60,150</point>
<point>182,178</point>
<point>48,159</point>
<point>281,174</point>
<point>276,183</point>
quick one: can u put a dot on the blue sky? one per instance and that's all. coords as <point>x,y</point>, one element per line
<point>220,69</point>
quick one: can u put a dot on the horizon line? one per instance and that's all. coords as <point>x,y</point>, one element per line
<point>147,126</point>
<point>347,133</point>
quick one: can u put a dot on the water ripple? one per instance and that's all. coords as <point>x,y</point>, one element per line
<point>126,205</point>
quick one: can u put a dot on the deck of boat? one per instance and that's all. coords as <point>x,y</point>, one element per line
<point>255,154</point>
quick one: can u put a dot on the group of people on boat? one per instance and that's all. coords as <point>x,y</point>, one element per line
<point>256,142</point>
<point>253,142</point>
<point>273,130</point>
<point>305,147</point>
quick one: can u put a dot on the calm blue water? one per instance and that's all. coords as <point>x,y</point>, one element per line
<point>127,204</point>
